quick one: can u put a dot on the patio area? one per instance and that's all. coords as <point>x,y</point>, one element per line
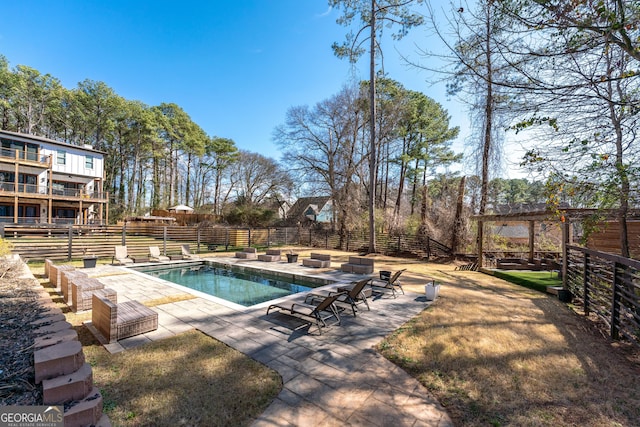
<point>336,378</point>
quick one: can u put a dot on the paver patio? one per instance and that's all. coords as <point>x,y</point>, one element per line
<point>333,378</point>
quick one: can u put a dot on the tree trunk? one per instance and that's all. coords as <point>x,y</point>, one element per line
<point>457,220</point>
<point>488,125</point>
<point>372,131</point>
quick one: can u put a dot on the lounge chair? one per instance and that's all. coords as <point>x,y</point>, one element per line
<point>186,253</point>
<point>353,295</point>
<point>154,254</point>
<point>319,313</point>
<point>121,256</point>
<point>390,284</point>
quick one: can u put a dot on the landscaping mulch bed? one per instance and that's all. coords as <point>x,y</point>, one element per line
<point>18,308</point>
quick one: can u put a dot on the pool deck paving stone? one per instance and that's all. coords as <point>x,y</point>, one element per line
<point>331,379</point>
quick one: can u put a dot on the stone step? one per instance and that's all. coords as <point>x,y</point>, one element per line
<point>52,328</point>
<point>67,388</point>
<point>87,412</point>
<point>59,359</point>
<point>45,320</point>
<point>55,338</point>
<point>51,309</point>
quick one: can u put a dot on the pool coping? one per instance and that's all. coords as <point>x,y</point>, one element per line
<point>326,279</point>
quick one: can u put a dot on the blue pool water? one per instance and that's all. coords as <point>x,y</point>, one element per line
<point>241,287</point>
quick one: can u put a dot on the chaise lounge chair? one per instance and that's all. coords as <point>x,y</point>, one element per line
<point>154,254</point>
<point>391,284</point>
<point>186,253</point>
<point>353,295</point>
<point>318,314</point>
<point>121,256</point>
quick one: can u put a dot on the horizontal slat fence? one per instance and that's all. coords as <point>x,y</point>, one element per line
<point>72,242</point>
<point>608,286</point>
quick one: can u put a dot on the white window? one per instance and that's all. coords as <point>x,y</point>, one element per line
<point>88,162</point>
<point>62,157</point>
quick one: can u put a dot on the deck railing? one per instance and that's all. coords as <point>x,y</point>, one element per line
<point>607,286</point>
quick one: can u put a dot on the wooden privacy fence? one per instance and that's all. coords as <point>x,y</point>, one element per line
<point>608,286</point>
<point>75,241</point>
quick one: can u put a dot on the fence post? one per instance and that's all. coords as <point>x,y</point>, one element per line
<point>399,240</point>
<point>268,237</point>
<point>249,237</point>
<point>585,297</point>
<point>226,242</point>
<point>70,246</point>
<point>198,240</point>
<point>310,237</point>
<point>124,234</point>
<point>615,301</point>
<point>326,240</point>
<point>348,238</point>
<point>286,231</point>
<point>2,231</point>
<point>164,240</point>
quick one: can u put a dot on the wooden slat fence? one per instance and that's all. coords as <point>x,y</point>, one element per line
<point>72,242</point>
<point>608,286</point>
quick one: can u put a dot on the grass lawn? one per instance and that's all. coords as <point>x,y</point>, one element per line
<point>497,354</point>
<point>538,280</point>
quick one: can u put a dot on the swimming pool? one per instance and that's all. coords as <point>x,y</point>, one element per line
<point>240,286</point>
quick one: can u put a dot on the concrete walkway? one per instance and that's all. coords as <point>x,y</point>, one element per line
<point>333,378</point>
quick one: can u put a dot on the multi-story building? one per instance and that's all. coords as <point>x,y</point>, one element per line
<point>50,182</point>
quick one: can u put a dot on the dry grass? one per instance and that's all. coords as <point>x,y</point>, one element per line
<point>189,379</point>
<point>498,354</point>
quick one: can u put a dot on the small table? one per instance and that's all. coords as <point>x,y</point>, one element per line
<point>175,257</point>
<point>140,258</point>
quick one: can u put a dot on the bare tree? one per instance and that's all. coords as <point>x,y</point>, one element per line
<point>373,14</point>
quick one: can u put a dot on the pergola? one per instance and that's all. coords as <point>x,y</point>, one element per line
<point>564,216</point>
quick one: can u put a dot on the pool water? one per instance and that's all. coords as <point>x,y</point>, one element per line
<point>241,287</point>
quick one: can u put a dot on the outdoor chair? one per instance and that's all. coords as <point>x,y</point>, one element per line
<point>186,253</point>
<point>117,321</point>
<point>82,290</point>
<point>390,284</point>
<point>154,254</point>
<point>272,255</point>
<point>121,255</point>
<point>353,295</point>
<point>247,253</point>
<point>55,273</point>
<point>66,279</point>
<point>318,313</point>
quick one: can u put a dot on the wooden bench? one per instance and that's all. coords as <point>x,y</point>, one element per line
<point>358,265</point>
<point>272,255</point>
<point>247,253</point>
<point>118,321</point>
<point>317,260</point>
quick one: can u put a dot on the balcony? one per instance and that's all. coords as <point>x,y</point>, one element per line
<point>24,157</point>
<point>40,192</point>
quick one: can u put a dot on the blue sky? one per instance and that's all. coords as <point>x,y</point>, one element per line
<point>235,67</point>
